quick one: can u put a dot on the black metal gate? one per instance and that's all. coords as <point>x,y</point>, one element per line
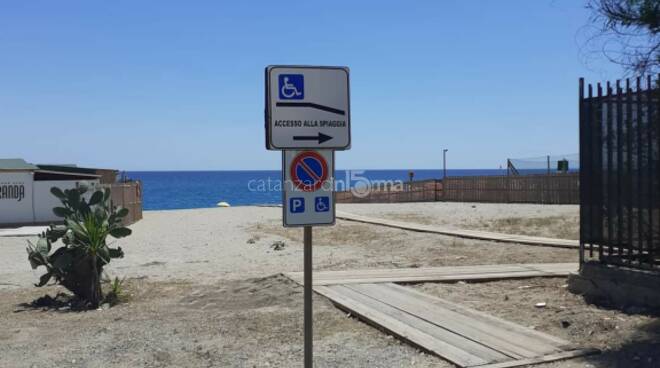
<point>619,181</point>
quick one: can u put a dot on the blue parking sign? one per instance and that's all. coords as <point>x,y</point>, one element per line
<point>297,204</point>
<point>292,86</point>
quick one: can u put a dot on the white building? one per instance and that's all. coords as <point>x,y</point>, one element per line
<point>25,196</point>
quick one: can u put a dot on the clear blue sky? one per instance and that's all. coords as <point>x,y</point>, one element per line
<point>179,85</point>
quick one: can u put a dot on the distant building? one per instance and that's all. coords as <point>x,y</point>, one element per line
<point>25,196</point>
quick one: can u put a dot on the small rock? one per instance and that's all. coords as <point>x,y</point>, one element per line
<point>105,306</point>
<point>565,324</point>
<point>540,305</point>
<point>506,298</point>
<point>278,245</point>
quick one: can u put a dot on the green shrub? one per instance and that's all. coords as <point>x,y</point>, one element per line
<point>78,264</point>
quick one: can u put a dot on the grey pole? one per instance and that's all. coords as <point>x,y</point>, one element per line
<point>309,350</point>
<point>444,163</point>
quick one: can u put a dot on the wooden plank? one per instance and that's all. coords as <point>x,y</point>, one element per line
<point>431,278</point>
<point>449,270</point>
<point>504,341</point>
<point>501,323</point>
<point>471,234</point>
<point>431,275</point>
<point>439,274</point>
<point>417,332</point>
<point>463,269</point>
<point>463,336</point>
<point>413,272</point>
<point>543,359</point>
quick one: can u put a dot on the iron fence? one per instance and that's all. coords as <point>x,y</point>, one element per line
<point>619,186</point>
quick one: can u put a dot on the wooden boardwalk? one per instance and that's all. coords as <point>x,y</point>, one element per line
<point>439,274</point>
<point>465,337</point>
<point>471,234</point>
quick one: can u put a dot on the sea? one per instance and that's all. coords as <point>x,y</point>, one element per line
<point>169,190</point>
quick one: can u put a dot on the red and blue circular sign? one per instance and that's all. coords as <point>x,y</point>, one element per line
<point>309,170</point>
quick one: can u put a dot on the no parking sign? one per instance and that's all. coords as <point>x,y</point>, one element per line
<point>308,187</point>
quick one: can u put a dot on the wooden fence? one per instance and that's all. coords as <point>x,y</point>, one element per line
<point>128,195</point>
<point>546,189</point>
<point>416,191</point>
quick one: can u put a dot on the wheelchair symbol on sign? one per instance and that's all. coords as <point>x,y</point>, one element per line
<point>322,204</point>
<point>292,87</point>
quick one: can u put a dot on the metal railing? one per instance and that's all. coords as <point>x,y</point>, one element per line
<point>620,186</point>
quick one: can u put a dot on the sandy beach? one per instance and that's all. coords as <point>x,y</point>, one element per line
<point>206,289</point>
<point>206,245</point>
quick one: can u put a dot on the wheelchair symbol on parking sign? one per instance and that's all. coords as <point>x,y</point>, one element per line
<point>322,204</point>
<point>292,86</point>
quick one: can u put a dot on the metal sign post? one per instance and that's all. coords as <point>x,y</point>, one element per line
<point>309,344</point>
<point>307,118</point>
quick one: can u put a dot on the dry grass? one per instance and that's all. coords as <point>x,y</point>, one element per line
<point>341,234</point>
<point>563,227</point>
<point>411,217</point>
<point>553,227</point>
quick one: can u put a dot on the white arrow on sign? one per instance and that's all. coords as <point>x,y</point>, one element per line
<point>307,107</point>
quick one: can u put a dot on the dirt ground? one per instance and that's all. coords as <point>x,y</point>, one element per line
<point>206,290</point>
<point>627,340</point>
<point>553,221</point>
<point>382,247</point>
<point>241,323</point>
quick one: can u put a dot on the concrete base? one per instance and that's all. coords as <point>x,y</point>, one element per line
<point>623,288</point>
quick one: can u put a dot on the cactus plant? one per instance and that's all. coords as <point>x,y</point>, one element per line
<point>78,264</point>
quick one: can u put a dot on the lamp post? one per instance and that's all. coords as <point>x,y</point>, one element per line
<point>444,163</point>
